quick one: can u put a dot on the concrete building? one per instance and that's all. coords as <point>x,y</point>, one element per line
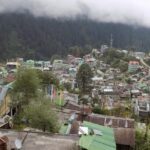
<point>142,106</point>
<point>133,66</point>
<point>39,141</point>
<point>104,48</point>
<point>139,55</point>
<point>12,66</point>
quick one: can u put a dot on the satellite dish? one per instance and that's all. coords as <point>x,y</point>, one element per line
<point>18,144</point>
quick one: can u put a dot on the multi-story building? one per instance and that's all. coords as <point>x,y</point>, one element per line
<point>133,66</point>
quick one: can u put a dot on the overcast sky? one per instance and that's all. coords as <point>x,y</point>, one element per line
<point>117,11</point>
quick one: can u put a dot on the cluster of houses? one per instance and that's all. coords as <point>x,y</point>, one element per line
<point>85,129</point>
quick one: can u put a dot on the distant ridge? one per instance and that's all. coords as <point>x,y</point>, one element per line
<point>22,35</point>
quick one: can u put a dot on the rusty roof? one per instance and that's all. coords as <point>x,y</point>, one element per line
<point>111,121</point>
<point>125,136</point>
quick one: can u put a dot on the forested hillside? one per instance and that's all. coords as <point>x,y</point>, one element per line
<point>23,35</point>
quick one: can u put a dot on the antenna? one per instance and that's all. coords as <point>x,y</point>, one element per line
<point>111,41</point>
<point>18,144</point>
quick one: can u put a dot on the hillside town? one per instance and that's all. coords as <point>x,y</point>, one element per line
<point>101,102</point>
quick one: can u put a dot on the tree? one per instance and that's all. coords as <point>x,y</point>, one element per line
<point>141,143</point>
<point>84,78</point>
<point>15,44</point>
<point>39,114</point>
<point>123,66</point>
<point>33,108</point>
<point>67,86</point>
<point>47,78</point>
<point>98,110</point>
<point>25,87</point>
<point>57,36</point>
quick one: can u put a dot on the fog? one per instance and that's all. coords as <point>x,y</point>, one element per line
<point>116,11</point>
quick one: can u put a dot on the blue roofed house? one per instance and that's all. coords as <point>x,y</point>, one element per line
<point>4,99</point>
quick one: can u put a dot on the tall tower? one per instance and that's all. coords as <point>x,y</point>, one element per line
<point>111,41</point>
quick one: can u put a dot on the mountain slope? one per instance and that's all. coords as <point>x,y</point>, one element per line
<point>26,36</point>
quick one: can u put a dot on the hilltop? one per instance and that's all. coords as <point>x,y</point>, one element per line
<point>26,36</point>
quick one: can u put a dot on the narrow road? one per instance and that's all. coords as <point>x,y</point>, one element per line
<point>144,64</point>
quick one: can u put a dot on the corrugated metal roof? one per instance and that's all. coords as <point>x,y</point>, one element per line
<point>96,142</point>
<point>4,90</point>
<point>63,129</point>
<point>3,93</point>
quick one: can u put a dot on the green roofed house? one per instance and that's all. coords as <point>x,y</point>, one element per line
<point>98,137</point>
<point>63,129</point>
<point>29,63</point>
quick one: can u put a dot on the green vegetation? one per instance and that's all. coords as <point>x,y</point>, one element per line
<point>141,142</point>
<point>25,87</point>
<point>120,111</point>
<point>98,110</point>
<point>63,129</point>
<point>67,86</point>
<point>117,59</point>
<point>54,57</point>
<point>39,115</point>
<point>32,107</point>
<point>84,78</point>
<point>59,101</point>
<point>39,38</point>
<point>147,61</point>
<point>47,78</point>
<point>79,51</point>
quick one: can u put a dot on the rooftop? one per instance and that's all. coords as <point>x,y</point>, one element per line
<point>40,141</point>
<point>105,141</point>
<point>112,121</point>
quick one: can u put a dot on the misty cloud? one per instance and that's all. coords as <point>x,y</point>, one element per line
<point>116,11</point>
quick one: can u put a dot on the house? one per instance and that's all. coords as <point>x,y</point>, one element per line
<point>108,90</point>
<point>80,109</point>
<point>104,48</point>
<point>95,53</point>
<point>139,55</point>
<point>70,59</point>
<point>38,141</point>
<point>125,138</point>
<point>124,51</point>
<point>123,129</point>
<point>92,136</point>
<point>96,137</point>
<point>46,65</point>
<point>133,66</point>
<point>91,62</point>
<point>3,72</point>
<point>78,61</point>
<point>3,143</point>
<point>12,66</point>
<point>73,71</point>
<point>57,64</point>
<point>71,97</point>
<point>135,92</point>
<point>39,65</point>
<point>5,99</point>
<point>97,80</point>
<point>142,106</point>
<point>29,63</point>
<point>111,121</point>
